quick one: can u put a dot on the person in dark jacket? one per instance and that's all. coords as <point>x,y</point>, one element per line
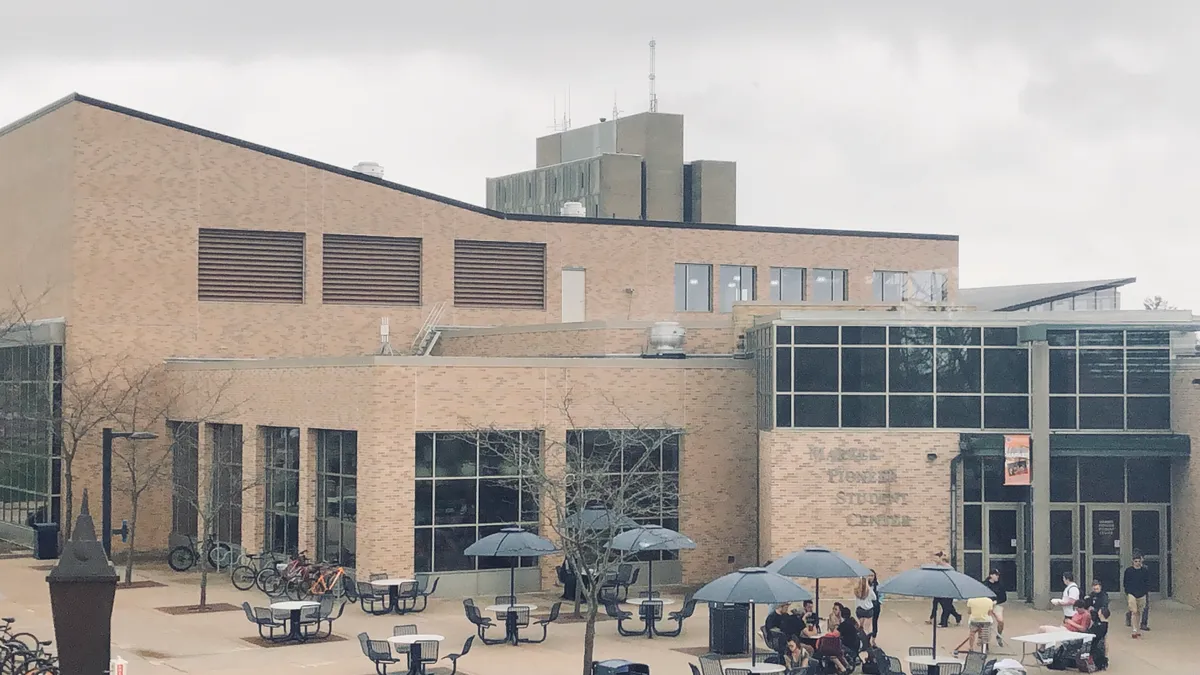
<point>997,589</point>
<point>1099,597</point>
<point>1137,587</point>
<point>781,625</point>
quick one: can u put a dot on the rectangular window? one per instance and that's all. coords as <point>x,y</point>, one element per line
<point>635,467</point>
<point>337,496</point>
<point>185,477</point>
<point>358,269</point>
<point>227,481</point>
<point>281,489</point>
<point>864,369</point>
<point>693,287</point>
<point>30,401</point>
<point>929,286</point>
<point>815,369</point>
<point>737,285</point>
<point>889,286</point>
<point>250,266</point>
<point>829,285</point>
<point>469,485</point>
<point>787,285</point>
<point>910,412</point>
<point>500,274</point>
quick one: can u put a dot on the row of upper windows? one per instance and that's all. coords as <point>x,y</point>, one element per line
<point>789,285</point>
<point>1104,299</point>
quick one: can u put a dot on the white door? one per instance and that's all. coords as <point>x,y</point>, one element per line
<point>572,295</point>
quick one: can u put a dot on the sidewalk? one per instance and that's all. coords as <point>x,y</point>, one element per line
<point>154,642</point>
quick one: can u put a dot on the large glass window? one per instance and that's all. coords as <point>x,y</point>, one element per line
<point>947,376</point>
<point>889,286</point>
<point>30,404</point>
<point>737,285</point>
<point>1110,379</point>
<point>693,287</point>
<point>337,496</point>
<point>787,284</point>
<point>929,286</point>
<point>469,485</point>
<point>281,478</point>
<point>829,285</point>
<point>637,469</point>
<point>185,477</point>
<point>227,482</point>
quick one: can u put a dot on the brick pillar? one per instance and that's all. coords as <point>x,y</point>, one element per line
<point>204,468</point>
<point>308,493</point>
<point>1185,474</point>
<point>253,488</point>
<point>1039,424</point>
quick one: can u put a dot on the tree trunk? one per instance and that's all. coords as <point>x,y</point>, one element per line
<point>589,636</point>
<point>578,592</point>
<point>68,501</point>
<point>131,549</point>
<point>203,562</point>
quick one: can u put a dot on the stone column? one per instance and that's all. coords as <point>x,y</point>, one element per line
<point>308,494</point>
<point>1039,424</point>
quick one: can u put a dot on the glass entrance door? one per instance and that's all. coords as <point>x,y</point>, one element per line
<point>1004,536</point>
<point>1104,546</point>
<point>1063,548</point>
<point>1148,534</point>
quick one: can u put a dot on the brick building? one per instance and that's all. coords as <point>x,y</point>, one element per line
<point>832,390</point>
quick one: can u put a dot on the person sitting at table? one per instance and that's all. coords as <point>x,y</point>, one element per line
<point>874,660</point>
<point>1099,646</point>
<point>807,612</point>
<point>795,658</point>
<point>780,625</point>
<point>1079,622</point>
<point>1066,654</point>
<point>835,615</point>
<point>811,632</point>
<point>848,631</point>
<point>829,649</point>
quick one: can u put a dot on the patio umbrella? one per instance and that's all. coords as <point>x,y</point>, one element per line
<point>749,586</point>
<point>651,538</point>
<point>511,542</point>
<point>818,562</point>
<point>935,581</point>
<point>597,517</point>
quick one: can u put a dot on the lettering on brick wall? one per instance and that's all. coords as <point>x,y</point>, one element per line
<point>868,486</point>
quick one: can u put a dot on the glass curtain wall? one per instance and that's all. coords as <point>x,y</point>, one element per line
<point>185,477</point>
<point>281,475</point>
<point>227,482</point>
<point>1110,380</point>
<point>469,485</point>
<point>337,496</point>
<point>30,450</point>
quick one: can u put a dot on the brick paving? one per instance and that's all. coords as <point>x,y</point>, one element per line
<point>215,643</point>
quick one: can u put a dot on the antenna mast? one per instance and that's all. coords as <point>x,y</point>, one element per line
<point>653,95</point>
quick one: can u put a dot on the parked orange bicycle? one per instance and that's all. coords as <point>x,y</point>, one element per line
<point>328,580</point>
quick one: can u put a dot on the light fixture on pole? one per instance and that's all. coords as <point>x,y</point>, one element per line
<point>106,531</point>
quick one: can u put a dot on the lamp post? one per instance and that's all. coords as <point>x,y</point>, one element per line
<point>83,586</point>
<point>106,531</point>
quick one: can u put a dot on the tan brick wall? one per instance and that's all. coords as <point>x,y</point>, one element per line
<point>1185,418</point>
<point>872,495</point>
<point>388,405</point>
<point>575,341</point>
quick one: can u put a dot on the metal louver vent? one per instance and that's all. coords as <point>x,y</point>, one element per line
<point>251,266</point>
<point>502,274</point>
<point>375,270</point>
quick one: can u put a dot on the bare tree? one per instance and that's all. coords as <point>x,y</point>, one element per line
<point>1157,302</point>
<point>619,470</point>
<point>148,399</point>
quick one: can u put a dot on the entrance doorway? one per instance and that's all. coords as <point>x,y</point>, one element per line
<point>1115,531</point>
<point>1004,536</point>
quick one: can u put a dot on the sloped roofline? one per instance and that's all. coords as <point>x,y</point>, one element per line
<point>1082,287</point>
<point>323,166</point>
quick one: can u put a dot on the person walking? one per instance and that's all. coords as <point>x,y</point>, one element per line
<point>997,589</point>
<point>1070,596</point>
<point>1137,588</point>
<point>946,604</point>
<point>875,611</point>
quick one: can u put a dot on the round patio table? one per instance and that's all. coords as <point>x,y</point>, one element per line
<point>758,668</point>
<point>507,613</point>
<point>934,662</point>
<point>393,586</point>
<point>650,619</point>
<point>415,667</point>
<point>294,607</point>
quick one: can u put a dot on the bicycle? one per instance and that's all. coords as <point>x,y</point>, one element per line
<point>275,581</point>
<point>183,558</point>
<point>330,581</point>
<point>19,658</point>
<point>247,573</point>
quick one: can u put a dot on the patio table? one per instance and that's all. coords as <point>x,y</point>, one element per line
<point>507,613</point>
<point>933,662</point>
<point>757,668</point>
<point>415,667</point>
<point>645,614</point>
<point>1047,639</point>
<point>393,586</point>
<point>294,607</point>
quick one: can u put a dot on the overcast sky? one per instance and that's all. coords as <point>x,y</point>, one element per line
<point>1060,140</point>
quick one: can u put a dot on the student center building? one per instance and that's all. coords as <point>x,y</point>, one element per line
<point>834,387</point>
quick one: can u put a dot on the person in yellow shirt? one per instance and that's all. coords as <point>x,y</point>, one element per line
<point>980,618</point>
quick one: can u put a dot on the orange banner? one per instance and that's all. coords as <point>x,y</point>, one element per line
<point>1016,460</point>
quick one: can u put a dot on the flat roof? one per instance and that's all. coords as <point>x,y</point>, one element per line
<point>693,362</point>
<point>348,173</point>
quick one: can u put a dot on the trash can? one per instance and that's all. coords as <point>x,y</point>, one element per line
<point>619,667</point>
<point>727,628</point>
<point>45,541</point>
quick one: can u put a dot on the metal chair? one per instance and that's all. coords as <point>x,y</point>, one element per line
<point>689,607</point>
<point>894,666</point>
<point>918,669</point>
<point>424,590</point>
<point>263,617</point>
<point>621,617</point>
<point>506,600</point>
<point>545,623</point>
<point>378,576</point>
<point>480,622</point>
<point>406,597</point>
<point>403,629</point>
<point>710,666</point>
<point>379,651</point>
<point>974,663</point>
<point>453,658</point>
<point>369,596</point>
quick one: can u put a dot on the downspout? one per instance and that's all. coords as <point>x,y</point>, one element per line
<point>954,464</point>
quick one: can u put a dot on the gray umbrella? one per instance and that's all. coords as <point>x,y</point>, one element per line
<point>749,586</point>
<point>598,518</point>
<point>651,538</point>
<point>935,581</point>
<point>818,562</point>
<point>511,542</point>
